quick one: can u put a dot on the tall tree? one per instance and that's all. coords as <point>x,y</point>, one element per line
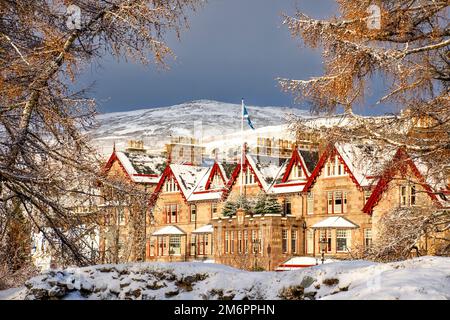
<point>44,150</point>
<point>406,45</point>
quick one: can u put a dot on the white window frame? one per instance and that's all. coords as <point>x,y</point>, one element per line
<point>310,203</point>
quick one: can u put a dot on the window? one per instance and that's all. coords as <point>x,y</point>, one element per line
<point>171,213</point>
<point>121,216</point>
<point>193,245</point>
<point>240,243</point>
<point>161,246</point>
<point>193,212</point>
<point>310,241</point>
<point>175,245</point>
<point>227,242</point>
<point>334,168</point>
<point>336,202</point>
<point>287,207</point>
<point>403,195</point>
<point>325,235</point>
<point>254,239</point>
<point>249,177</point>
<point>214,210</point>
<point>232,242</point>
<point>284,241</point>
<point>408,195</point>
<point>367,238</point>
<point>294,241</point>
<point>297,171</point>
<point>217,182</point>
<point>245,241</point>
<point>171,185</point>
<point>342,240</point>
<point>261,241</point>
<point>310,203</point>
<point>202,244</point>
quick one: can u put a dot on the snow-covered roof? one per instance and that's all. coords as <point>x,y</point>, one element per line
<point>142,167</point>
<point>365,161</point>
<point>334,223</point>
<point>266,168</point>
<point>188,177</point>
<point>168,231</point>
<point>204,229</point>
<point>295,263</point>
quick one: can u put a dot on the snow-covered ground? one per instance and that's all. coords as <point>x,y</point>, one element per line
<point>419,278</point>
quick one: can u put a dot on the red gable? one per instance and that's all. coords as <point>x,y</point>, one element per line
<point>165,175</point>
<point>235,175</point>
<point>215,170</point>
<point>295,160</point>
<point>400,163</point>
<point>329,152</point>
<point>111,161</point>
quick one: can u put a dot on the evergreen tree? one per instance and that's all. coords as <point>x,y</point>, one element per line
<point>245,204</point>
<point>229,209</point>
<point>260,205</point>
<point>273,206</point>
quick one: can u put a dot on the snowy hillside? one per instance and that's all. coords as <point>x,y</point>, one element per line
<point>215,122</point>
<point>419,278</point>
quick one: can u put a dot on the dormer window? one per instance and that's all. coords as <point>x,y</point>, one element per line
<point>171,185</point>
<point>334,168</point>
<point>297,172</point>
<point>408,195</point>
<point>217,182</point>
<point>249,177</point>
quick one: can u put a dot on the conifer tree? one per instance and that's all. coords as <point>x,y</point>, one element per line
<point>272,206</point>
<point>260,205</point>
<point>229,209</point>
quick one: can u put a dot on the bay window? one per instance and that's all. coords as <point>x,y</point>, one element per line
<point>342,240</point>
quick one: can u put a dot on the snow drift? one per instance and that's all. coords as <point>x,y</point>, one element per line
<point>419,278</point>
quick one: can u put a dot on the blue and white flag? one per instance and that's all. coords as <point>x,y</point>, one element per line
<point>246,116</point>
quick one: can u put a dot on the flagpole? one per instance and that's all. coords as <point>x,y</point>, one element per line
<point>242,145</point>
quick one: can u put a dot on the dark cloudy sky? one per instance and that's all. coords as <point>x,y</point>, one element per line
<point>233,49</point>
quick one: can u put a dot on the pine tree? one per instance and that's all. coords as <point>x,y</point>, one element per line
<point>245,204</point>
<point>260,205</point>
<point>272,206</point>
<point>229,209</point>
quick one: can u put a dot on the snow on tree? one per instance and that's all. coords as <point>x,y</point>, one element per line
<point>46,162</point>
<point>406,45</point>
<point>229,209</point>
<point>260,206</point>
<point>272,206</point>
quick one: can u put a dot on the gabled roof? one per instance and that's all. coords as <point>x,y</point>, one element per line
<point>362,162</point>
<point>306,160</point>
<point>399,164</point>
<point>204,190</point>
<point>169,231</point>
<point>334,223</point>
<point>192,182</point>
<point>265,168</point>
<point>139,167</point>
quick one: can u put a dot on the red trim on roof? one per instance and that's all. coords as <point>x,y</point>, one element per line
<point>235,175</point>
<point>110,163</point>
<point>296,159</point>
<point>209,191</point>
<point>166,174</point>
<point>289,184</point>
<point>398,164</point>
<point>329,152</point>
<point>214,170</point>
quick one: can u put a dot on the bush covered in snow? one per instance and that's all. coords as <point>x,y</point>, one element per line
<point>420,278</point>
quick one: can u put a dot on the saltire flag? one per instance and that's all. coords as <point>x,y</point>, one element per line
<point>246,116</point>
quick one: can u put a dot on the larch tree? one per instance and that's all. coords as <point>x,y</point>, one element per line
<point>46,162</point>
<point>404,45</point>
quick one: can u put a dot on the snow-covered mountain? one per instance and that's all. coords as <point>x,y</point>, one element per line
<point>217,124</point>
